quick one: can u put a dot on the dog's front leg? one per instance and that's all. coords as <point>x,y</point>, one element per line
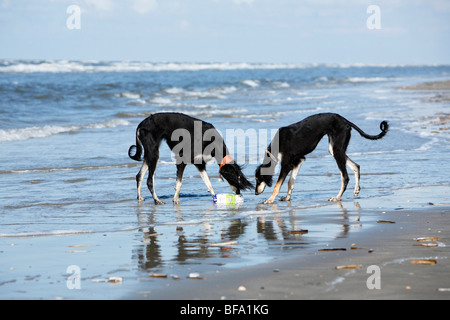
<point>291,182</point>
<point>276,190</point>
<point>206,180</point>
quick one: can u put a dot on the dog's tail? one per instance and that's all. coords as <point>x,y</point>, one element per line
<point>384,126</point>
<point>135,151</point>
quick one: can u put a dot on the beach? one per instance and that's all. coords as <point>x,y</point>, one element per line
<point>435,85</point>
<point>72,229</point>
<point>408,250</point>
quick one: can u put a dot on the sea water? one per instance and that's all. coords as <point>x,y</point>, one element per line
<point>68,189</point>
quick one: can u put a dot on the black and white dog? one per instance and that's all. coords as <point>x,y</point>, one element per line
<point>192,141</point>
<point>293,142</point>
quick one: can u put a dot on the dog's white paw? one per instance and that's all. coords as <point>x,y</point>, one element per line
<point>140,198</point>
<point>268,201</point>
<point>159,202</point>
<point>176,201</point>
<point>334,199</point>
<point>356,192</point>
<point>285,198</point>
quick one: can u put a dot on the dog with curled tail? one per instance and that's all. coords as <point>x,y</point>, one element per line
<point>292,143</point>
<point>192,141</point>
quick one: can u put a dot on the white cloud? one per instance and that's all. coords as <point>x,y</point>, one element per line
<point>243,1</point>
<point>144,6</point>
<point>5,3</point>
<point>102,5</point>
<point>140,6</point>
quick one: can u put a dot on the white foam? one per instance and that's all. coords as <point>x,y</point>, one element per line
<point>205,106</point>
<point>129,95</point>
<point>63,66</point>
<point>370,79</point>
<point>213,93</point>
<point>47,131</point>
<point>160,100</point>
<point>106,124</point>
<point>280,84</point>
<point>62,232</point>
<point>66,169</point>
<point>251,83</point>
<point>132,96</point>
<point>174,90</point>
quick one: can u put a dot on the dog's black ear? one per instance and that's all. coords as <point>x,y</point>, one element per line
<point>267,179</point>
<point>244,184</point>
<point>233,174</point>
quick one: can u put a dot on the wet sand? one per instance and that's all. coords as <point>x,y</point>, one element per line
<point>407,268</point>
<point>440,89</point>
<point>433,85</point>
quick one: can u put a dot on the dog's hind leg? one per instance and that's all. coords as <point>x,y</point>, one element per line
<point>151,187</point>
<point>139,178</point>
<point>180,171</point>
<point>341,160</point>
<point>291,181</point>
<point>152,161</point>
<point>355,167</point>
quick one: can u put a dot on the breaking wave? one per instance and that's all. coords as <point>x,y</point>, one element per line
<point>66,66</point>
<point>47,131</point>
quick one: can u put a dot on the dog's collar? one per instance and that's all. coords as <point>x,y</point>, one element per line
<point>226,160</point>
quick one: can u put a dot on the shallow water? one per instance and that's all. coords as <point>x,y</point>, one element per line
<point>68,187</point>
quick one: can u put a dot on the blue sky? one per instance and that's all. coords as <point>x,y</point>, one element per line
<point>291,31</point>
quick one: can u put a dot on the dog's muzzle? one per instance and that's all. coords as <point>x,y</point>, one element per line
<point>260,188</point>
